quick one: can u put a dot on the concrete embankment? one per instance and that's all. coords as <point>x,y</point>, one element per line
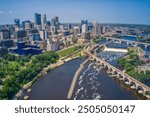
<point>75,78</point>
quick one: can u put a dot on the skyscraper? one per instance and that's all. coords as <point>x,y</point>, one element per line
<point>48,23</point>
<point>44,22</point>
<point>37,20</point>
<point>17,22</point>
<point>76,30</point>
<point>55,22</point>
<point>69,27</point>
<point>26,25</point>
<point>84,22</point>
<point>5,34</point>
<point>43,35</point>
<point>84,28</point>
<point>97,30</point>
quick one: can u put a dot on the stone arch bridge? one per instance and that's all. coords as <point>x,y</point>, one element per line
<point>115,72</point>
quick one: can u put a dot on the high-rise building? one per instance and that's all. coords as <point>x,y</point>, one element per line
<point>20,34</point>
<point>97,29</point>
<point>37,20</point>
<point>61,27</point>
<point>84,28</point>
<point>55,22</point>
<point>44,22</point>
<point>53,30</point>
<point>84,22</point>
<point>43,35</point>
<point>56,19</point>
<point>17,22</point>
<point>48,23</point>
<point>90,26</point>
<point>4,34</point>
<point>103,29</point>
<point>69,27</point>
<point>39,27</point>
<point>76,30</point>
<point>34,37</point>
<point>27,25</point>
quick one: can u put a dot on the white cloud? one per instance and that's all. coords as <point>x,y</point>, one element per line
<point>6,12</point>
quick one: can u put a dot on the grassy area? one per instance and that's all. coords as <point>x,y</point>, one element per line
<point>98,40</point>
<point>69,51</point>
<point>78,53</point>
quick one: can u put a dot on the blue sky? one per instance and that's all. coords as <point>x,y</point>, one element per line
<point>105,11</point>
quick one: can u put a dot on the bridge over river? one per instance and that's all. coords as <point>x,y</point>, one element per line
<point>128,41</point>
<point>134,84</point>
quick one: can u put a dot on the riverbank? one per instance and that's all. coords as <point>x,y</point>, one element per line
<point>28,86</point>
<point>61,61</point>
<point>55,84</point>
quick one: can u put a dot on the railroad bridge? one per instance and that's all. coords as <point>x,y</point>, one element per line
<point>135,43</point>
<point>115,72</point>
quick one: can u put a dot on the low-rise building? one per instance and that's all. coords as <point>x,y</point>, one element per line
<point>25,49</point>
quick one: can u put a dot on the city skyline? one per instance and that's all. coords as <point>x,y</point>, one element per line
<point>104,11</point>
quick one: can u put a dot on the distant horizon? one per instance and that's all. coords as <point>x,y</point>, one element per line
<point>103,11</point>
<point>80,22</point>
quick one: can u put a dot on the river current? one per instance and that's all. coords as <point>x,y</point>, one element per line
<point>92,84</point>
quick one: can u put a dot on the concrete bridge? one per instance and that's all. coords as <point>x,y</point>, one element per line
<point>115,72</point>
<point>135,43</point>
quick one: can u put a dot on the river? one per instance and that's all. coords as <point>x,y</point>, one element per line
<point>133,38</point>
<point>92,84</point>
<point>95,84</point>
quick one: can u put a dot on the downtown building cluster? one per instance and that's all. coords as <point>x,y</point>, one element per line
<point>43,35</point>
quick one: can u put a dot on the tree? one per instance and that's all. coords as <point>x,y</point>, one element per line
<point>1,82</point>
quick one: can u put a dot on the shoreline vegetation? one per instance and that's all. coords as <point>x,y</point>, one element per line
<point>19,73</point>
<point>18,78</point>
<point>130,64</point>
<point>27,73</point>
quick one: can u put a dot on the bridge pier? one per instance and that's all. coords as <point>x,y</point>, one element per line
<point>132,85</point>
<point>131,82</point>
<point>140,90</point>
<point>126,80</point>
<point>147,94</point>
<point>109,71</point>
